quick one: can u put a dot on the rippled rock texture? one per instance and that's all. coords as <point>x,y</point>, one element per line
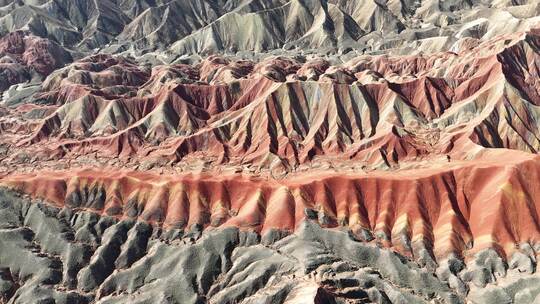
<point>80,257</point>
<point>306,151</point>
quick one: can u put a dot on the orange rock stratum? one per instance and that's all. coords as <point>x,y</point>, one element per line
<point>461,207</point>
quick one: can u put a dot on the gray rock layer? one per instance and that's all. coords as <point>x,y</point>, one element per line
<point>52,255</point>
<point>184,27</point>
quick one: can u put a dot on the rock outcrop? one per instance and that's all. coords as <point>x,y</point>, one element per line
<point>283,151</point>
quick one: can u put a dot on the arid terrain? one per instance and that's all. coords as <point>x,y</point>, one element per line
<point>270,151</point>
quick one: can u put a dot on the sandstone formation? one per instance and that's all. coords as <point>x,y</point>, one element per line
<point>250,151</point>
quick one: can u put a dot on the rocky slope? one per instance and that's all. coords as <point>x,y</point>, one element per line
<point>245,151</point>
<point>206,26</point>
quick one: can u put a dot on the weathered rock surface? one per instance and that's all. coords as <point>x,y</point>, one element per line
<point>58,254</point>
<point>282,115</point>
<point>25,60</point>
<point>329,26</point>
<point>269,151</point>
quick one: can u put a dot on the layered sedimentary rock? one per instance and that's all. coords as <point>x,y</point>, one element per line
<point>280,114</point>
<point>459,209</point>
<point>25,60</point>
<point>209,151</point>
<point>253,26</point>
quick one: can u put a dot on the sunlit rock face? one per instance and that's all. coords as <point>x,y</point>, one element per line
<point>215,151</point>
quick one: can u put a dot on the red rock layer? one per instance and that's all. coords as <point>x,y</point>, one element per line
<point>376,110</point>
<point>461,208</point>
<point>21,53</point>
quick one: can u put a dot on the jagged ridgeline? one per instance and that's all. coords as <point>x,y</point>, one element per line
<point>204,26</point>
<point>269,151</point>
